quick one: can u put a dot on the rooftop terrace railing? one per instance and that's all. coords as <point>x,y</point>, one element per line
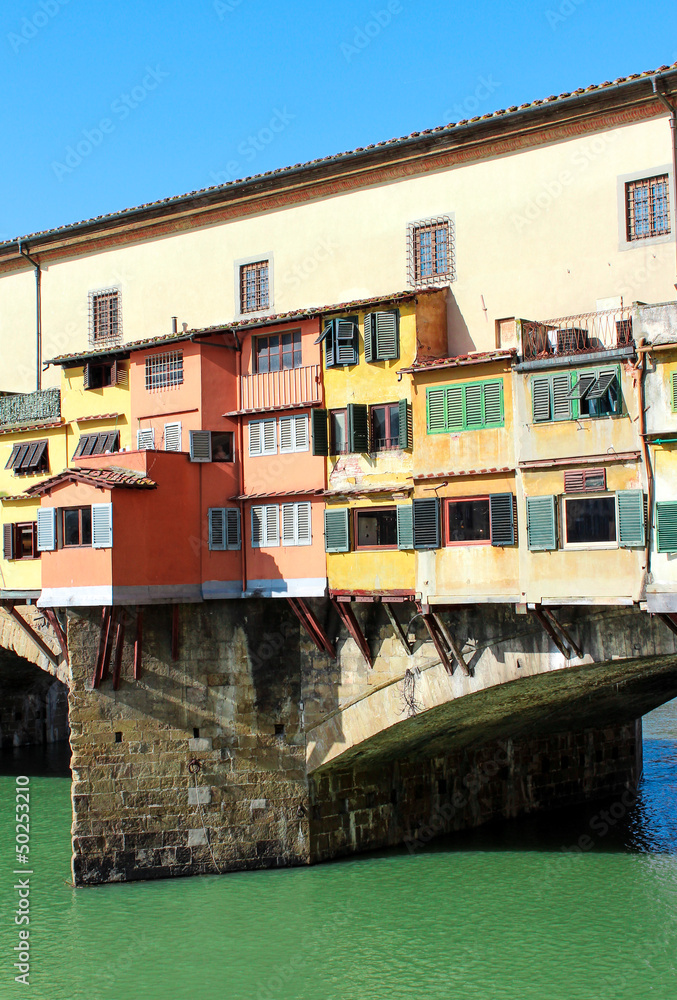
<point>580,334</point>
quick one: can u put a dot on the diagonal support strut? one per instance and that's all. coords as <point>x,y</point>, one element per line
<point>347,616</point>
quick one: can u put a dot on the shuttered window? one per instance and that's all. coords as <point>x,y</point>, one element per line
<point>666,525</point>
<point>145,438</point>
<point>265,526</point>
<point>541,523</point>
<point>584,480</point>
<point>502,519</point>
<point>426,523</point>
<point>382,335</point>
<point>673,388</point>
<point>102,525</point>
<point>173,436</point>
<point>631,521</point>
<point>20,541</point>
<point>224,528</point>
<point>320,432</point>
<point>550,397</point>
<point>46,519</point>
<point>358,428</point>
<point>405,526</point>
<point>296,523</point>
<point>405,424</point>
<point>97,444</point>
<point>341,342</point>
<point>336,530</point>
<point>28,457</point>
<point>568,395</point>
<point>293,434</point>
<point>200,446</point>
<point>263,437</point>
<point>475,406</point>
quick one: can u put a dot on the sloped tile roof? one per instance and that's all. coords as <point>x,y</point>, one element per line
<point>104,478</point>
<point>473,358</point>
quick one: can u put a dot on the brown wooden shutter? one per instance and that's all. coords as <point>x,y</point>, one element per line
<point>8,541</point>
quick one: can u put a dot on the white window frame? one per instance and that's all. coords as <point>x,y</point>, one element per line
<point>266,541</point>
<point>566,544</point>
<point>295,518</point>
<point>296,422</point>
<point>641,175</point>
<point>262,450</point>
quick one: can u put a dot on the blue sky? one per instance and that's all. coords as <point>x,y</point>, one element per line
<point>111,104</point>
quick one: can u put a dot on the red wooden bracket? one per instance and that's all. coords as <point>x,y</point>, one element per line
<point>347,616</point>
<point>438,641</point>
<point>311,625</point>
<point>668,620</point>
<point>175,631</point>
<point>399,630</point>
<point>33,635</point>
<point>108,649</point>
<point>568,638</point>
<point>103,636</point>
<point>138,643</point>
<point>119,646</point>
<point>547,627</point>
<point>50,615</point>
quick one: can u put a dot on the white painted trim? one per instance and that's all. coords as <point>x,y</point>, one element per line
<point>310,586</point>
<point>215,590</point>
<point>73,597</point>
<point>78,597</point>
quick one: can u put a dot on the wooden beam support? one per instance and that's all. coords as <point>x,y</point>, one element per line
<point>547,627</point>
<point>175,631</point>
<point>119,647</point>
<point>51,617</point>
<point>312,626</point>
<point>108,649</point>
<point>33,636</point>
<point>438,641</point>
<point>399,630</point>
<point>138,644</point>
<point>569,640</point>
<point>668,620</point>
<point>347,616</point>
<point>103,635</point>
<point>452,644</point>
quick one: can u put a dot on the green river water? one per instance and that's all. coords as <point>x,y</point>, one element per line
<point>506,913</point>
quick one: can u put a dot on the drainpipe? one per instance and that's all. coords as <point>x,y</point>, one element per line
<point>673,128</point>
<point>646,453</point>
<point>240,448</point>
<point>38,316</point>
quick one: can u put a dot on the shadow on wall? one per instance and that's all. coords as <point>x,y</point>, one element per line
<point>33,704</point>
<point>458,336</point>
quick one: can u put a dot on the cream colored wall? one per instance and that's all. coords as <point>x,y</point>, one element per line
<point>558,262</point>
<point>664,564</point>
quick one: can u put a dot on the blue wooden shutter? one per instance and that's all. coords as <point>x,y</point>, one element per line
<point>102,525</point>
<point>540,398</point>
<point>405,526</point>
<point>201,446</point>
<point>320,432</point>
<point>435,404</point>
<point>630,518</point>
<point>358,428</point>
<point>426,523</point>
<point>347,340</point>
<point>233,536</point>
<point>502,519</point>
<point>561,403</point>
<point>406,436</point>
<point>369,337</point>
<point>329,337</point>
<point>217,528</point>
<point>541,523</point>
<point>336,530</point>
<point>666,523</point>
<point>46,529</point>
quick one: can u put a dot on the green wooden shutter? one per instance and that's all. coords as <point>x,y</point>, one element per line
<point>561,404</point>
<point>405,526</point>
<point>8,541</point>
<point>666,523</point>
<point>473,406</point>
<point>406,436</point>
<point>426,523</point>
<point>455,394</point>
<point>435,404</point>
<point>358,428</point>
<point>369,325</point>
<point>387,335</point>
<point>673,384</point>
<point>630,518</point>
<point>346,339</point>
<point>493,403</point>
<point>540,398</point>
<point>217,528</point>
<point>502,520</point>
<point>320,432</point>
<point>541,524</point>
<point>336,530</point>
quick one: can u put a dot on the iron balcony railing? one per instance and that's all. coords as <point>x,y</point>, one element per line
<point>580,334</point>
<point>274,390</point>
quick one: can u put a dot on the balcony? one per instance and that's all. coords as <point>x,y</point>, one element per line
<point>280,390</point>
<point>585,333</point>
<point>31,407</point>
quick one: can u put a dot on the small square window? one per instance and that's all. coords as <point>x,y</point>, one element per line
<point>590,521</point>
<point>105,326</point>
<point>647,208</point>
<point>385,427</point>
<point>277,352</point>
<point>254,286</point>
<point>468,522</point>
<point>77,526</point>
<point>164,371</point>
<point>338,432</point>
<point>376,529</point>
<point>431,251</point>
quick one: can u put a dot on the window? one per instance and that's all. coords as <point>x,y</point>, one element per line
<point>97,444</point>
<point>164,371</point>
<point>647,208</point>
<point>76,526</point>
<point>430,251</point>
<point>385,427</point>
<point>20,541</point>
<point>570,395</point>
<point>615,519</point>
<point>99,376</point>
<point>224,528</point>
<point>28,458</point>
<point>105,325</point>
<point>673,391</point>
<point>265,526</point>
<point>585,480</point>
<point>296,523</point>
<point>172,436</point>
<point>589,520</point>
<point>666,526</point>
<point>338,432</point>
<point>277,351</point>
<point>341,342</point>
<point>254,286</point>
<point>382,335</point>
<point>376,529</point>
<point>211,446</point>
<point>465,407</point>
<point>145,439</point>
<point>481,520</point>
<point>294,434</point>
<point>262,437</point>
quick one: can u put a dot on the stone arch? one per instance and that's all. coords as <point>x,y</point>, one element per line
<point>18,640</point>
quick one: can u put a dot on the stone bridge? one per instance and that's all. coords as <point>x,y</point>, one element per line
<point>228,737</point>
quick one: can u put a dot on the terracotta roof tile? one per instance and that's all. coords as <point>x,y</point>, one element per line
<point>23,428</point>
<point>473,358</point>
<point>106,478</point>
